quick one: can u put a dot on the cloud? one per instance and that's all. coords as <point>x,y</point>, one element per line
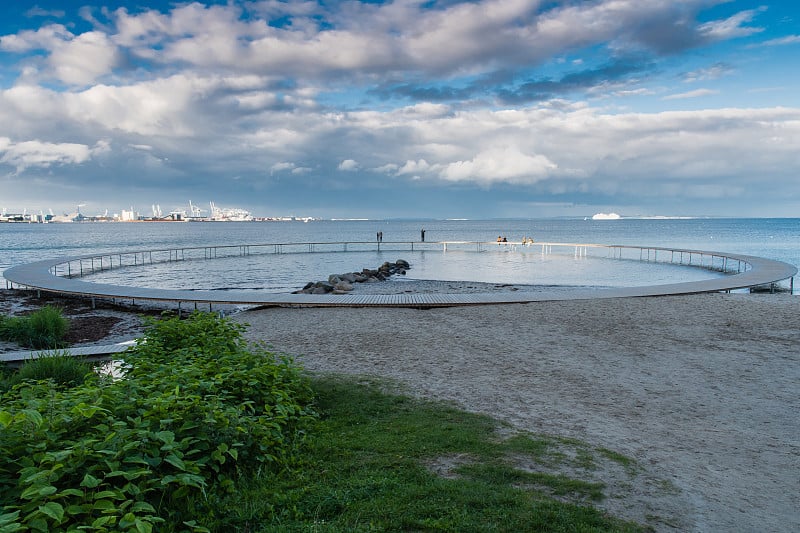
<point>413,167</point>
<point>545,89</point>
<point>782,41</point>
<point>29,154</point>
<point>389,168</point>
<point>45,38</point>
<point>732,27</point>
<point>485,95</point>
<point>500,165</point>
<point>313,41</point>
<point>697,93</point>
<point>281,166</point>
<point>714,72</point>
<point>510,88</point>
<point>84,59</point>
<point>73,59</point>
<point>348,165</point>
<point>37,11</point>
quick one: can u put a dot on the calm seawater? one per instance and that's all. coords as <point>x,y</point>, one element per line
<point>771,238</point>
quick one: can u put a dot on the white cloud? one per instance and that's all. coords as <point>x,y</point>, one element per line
<point>28,154</point>
<point>413,167</point>
<point>389,168</point>
<point>256,100</point>
<point>697,93</point>
<point>782,41</point>
<point>348,165</point>
<point>46,38</point>
<point>280,167</point>
<point>37,11</point>
<point>361,39</point>
<point>85,58</point>
<point>731,27</point>
<point>710,73</point>
<point>163,107</point>
<point>215,91</point>
<point>500,165</point>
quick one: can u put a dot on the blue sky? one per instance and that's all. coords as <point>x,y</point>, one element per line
<point>451,109</point>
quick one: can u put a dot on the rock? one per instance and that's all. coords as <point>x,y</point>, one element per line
<point>343,286</point>
<point>343,283</point>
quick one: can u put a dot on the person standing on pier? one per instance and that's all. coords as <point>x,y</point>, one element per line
<point>422,235</point>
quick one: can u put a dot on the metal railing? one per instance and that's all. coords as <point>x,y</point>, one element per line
<point>60,275</point>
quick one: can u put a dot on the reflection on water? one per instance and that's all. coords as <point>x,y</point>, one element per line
<point>770,238</point>
<point>512,265</point>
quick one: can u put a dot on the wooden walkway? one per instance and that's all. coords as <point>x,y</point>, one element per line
<point>749,271</point>
<point>90,353</point>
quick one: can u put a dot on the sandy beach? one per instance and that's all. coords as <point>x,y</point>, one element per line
<point>702,390</point>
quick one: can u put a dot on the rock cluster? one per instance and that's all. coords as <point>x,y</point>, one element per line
<point>343,283</point>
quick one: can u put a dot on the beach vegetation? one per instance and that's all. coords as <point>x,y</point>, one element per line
<point>44,329</point>
<point>377,460</point>
<point>619,458</point>
<point>196,409</point>
<point>205,432</point>
<point>62,369</point>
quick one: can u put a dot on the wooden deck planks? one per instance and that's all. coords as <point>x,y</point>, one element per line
<point>88,352</point>
<point>37,276</point>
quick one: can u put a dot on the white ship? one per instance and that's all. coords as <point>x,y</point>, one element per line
<point>606,216</point>
<point>231,214</point>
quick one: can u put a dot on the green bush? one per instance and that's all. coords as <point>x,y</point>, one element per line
<point>195,407</point>
<point>43,329</point>
<point>63,369</point>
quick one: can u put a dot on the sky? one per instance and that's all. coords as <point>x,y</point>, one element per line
<point>402,109</point>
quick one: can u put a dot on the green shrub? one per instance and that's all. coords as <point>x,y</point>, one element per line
<point>60,367</point>
<point>43,329</point>
<point>13,328</point>
<point>195,407</point>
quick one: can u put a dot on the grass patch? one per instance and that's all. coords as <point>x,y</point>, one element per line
<point>206,433</point>
<point>368,466</point>
<point>623,460</point>
<point>43,329</point>
<point>63,369</point>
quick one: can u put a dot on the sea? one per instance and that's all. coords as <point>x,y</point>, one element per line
<point>563,267</point>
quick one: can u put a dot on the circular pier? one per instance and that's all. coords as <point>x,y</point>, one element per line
<point>64,275</point>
